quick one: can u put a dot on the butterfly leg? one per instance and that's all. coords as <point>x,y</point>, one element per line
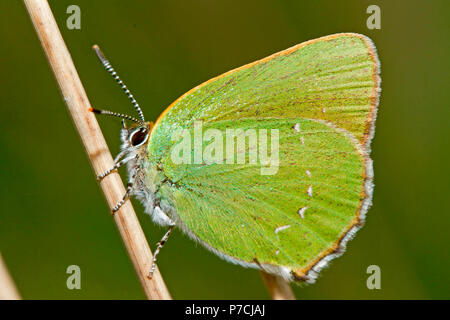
<point>158,248</point>
<point>125,197</point>
<point>117,164</point>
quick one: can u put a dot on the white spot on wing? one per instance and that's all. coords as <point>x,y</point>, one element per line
<point>301,212</point>
<point>310,191</point>
<point>282,228</point>
<point>308,173</point>
<point>277,252</point>
<point>297,127</point>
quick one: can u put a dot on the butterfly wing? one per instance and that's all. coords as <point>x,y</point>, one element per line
<point>321,97</point>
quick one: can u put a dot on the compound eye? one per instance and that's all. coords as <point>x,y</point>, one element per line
<point>138,137</point>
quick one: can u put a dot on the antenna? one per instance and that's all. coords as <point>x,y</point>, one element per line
<point>110,69</point>
<point>119,115</point>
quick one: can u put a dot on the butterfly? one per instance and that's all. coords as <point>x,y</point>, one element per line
<point>319,101</point>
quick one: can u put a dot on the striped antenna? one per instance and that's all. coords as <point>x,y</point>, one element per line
<point>110,69</point>
<point>119,115</point>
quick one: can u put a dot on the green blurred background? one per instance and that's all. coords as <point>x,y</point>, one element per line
<point>52,213</point>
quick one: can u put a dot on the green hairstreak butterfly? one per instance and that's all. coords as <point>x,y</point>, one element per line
<point>206,167</point>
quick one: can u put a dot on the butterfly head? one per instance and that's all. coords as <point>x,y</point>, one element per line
<point>135,136</point>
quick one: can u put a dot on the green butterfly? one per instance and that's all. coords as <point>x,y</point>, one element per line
<point>321,99</point>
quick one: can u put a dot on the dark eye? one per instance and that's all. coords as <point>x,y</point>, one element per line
<point>138,137</point>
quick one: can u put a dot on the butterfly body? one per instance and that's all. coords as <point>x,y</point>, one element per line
<point>314,107</point>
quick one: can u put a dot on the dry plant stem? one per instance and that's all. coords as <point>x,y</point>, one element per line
<point>95,145</point>
<point>8,290</point>
<point>278,288</point>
